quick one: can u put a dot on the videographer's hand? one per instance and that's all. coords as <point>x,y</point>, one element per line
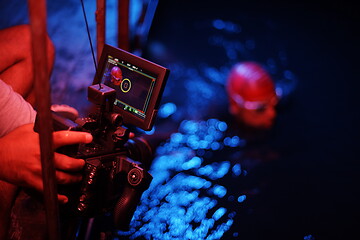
<point>20,158</point>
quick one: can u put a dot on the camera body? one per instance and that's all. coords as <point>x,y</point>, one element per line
<point>115,173</point>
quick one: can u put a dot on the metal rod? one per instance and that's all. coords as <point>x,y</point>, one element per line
<point>100,26</point>
<point>144,24</point>
<point>37,13</point>
<point>149,16</point>
<point>123,25</point>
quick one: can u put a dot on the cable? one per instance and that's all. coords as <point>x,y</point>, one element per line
<point>88,32</point>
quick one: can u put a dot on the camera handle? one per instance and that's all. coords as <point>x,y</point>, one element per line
<point>137,181</point>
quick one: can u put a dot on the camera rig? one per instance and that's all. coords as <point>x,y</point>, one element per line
<point>126,90</point>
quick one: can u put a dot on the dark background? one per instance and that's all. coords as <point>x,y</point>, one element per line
<point>314,185</point>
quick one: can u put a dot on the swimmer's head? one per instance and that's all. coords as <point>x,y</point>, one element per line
<point>116,75</point>
<point>252,95</point>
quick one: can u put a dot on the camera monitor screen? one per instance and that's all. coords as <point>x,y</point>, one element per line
<point>138,83</point>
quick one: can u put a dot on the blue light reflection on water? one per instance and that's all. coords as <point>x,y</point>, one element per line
<point>241,198</point>
<point>167,109</point>
<point>236,169</point>
<point>185,199</point>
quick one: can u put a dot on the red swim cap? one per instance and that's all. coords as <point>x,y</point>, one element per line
<point>251,82</point>
<point>252,95</point>
<point>116,72</point>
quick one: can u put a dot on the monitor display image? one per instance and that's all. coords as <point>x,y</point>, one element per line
<point>133,86</point>
<point>138,83</point>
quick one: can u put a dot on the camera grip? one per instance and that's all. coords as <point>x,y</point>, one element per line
<point>138,180</point>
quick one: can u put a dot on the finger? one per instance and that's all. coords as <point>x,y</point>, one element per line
<point>37,188</point>
<point>66,163</point>
<point>62,199</point>
<point>67,178</point>
<point>37,185</point>
<point>62,138</point>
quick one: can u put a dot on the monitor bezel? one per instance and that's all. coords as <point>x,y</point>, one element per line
<point>162,75</point>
